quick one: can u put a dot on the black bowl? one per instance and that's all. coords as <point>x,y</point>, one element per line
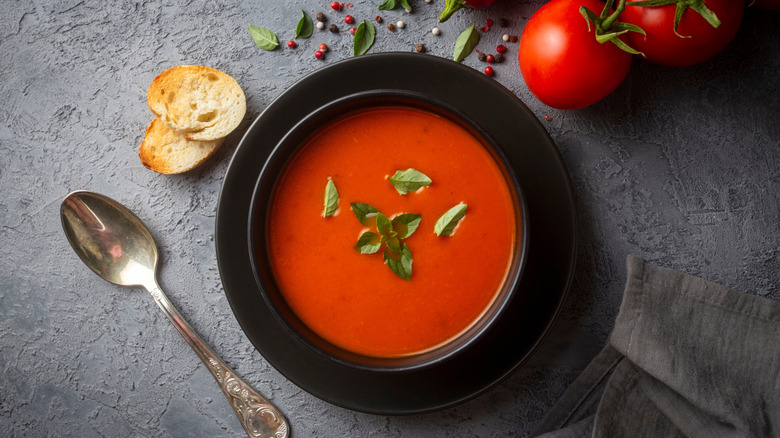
<point>263,197</point>
<point>526,319</point>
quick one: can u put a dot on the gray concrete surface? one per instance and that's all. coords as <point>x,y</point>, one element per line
<point>679,166</point>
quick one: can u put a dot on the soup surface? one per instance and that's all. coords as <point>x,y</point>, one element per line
<point>355,300</point>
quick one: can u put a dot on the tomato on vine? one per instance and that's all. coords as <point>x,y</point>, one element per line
<point>703,29</point>
<point>570,57</point>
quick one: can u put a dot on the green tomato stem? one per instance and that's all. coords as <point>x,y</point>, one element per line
<point>607,23</point>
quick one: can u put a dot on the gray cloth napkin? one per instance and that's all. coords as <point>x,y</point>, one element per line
<point>687,357</point>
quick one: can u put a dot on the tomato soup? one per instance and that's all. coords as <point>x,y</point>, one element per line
<point>355,301</point>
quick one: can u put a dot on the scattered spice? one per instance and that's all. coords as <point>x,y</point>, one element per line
<point>349,19</point>
<point>320,25</point>
<point>503,22</point>
<point>548,118</point>
<point>321,17</point>
<point>400,25</point>
<point>501,48</point>
<point>499,57</point>
<point>490,58</point>
<point>513,38</point>
<point>323,47</point>
<point>378,19</point>
<point>420,48</point>
<point>435,31</point>
<point>292,44</point>
<point>487,25</point>
<point>489,71</point>
<point>391,27</point>
<point>336,6</point>
<point>352,30</point>
<point>481,56</point>
<point>333,28</point>
<point>505,37</point>
<point>319,54</point>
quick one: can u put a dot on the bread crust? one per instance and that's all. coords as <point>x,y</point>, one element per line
<point>202,102</point>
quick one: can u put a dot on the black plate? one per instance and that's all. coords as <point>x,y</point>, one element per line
<point>548,273</point>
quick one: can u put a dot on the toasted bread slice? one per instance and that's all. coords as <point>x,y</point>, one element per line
<point>202,102</point>
<point>164,150</point>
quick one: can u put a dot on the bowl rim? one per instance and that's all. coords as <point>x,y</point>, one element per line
<point>285,150</point>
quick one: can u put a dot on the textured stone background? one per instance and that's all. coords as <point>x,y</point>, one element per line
<point>679,166</point>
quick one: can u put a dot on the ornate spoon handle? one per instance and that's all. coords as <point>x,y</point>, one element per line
<point>258,416</point>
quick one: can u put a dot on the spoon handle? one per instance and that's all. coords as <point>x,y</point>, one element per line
<point>257,415</point>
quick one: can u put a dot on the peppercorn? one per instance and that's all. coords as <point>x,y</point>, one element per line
<point>503,22</point>
<point>420,48</point>
<point>481,56</point>
<point>391,27</point>
<point>498,57</point>
<point>333,28</point>
<point>378,19</point>
<point>321,17</point>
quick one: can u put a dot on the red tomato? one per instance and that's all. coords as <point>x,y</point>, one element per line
<point>561,61</point>
<point>663,46</point>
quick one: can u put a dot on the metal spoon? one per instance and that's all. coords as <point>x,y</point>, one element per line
<point>115,244</point>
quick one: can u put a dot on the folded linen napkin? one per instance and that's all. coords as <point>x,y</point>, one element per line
<point>687,357</point>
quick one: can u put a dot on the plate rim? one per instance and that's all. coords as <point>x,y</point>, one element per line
<point>275,351</point>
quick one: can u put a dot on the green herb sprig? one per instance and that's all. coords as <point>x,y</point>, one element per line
<point>364,37</point>
<point>264,38</point>
<point>466,42</point>
<point>305,26</point>
<point>391,234</point>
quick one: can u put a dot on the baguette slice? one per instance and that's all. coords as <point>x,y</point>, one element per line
<point>202,102</point>
<point>166,151</point>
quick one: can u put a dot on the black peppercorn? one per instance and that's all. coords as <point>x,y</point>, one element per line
<point>420,48</point>
<point>321,17</point>
<point>333,28</point>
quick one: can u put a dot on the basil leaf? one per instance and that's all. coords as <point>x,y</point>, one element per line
<point>406,224</point>
<point>383,225</point>
<point>394,244</point>
<point>364,37</point>
<point>387,5</point>
<point>264,38</point>
<point>368,243</point>
<point>409,180</point>
<point>406,6</point>
<point>465,43</point>
<point>331,199</point>
<point>305,26</point>
<point>449,220</point>
<point>363,211</point>
<point>400,263</point>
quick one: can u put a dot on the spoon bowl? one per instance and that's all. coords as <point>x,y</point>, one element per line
<point>118,247</point>
<point>109,239</point>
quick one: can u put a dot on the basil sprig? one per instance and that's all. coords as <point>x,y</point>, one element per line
<point>466,42</point>
<point>331,199</point>
<point>449,220</point>
<point>390,233</point>
<point>364,37</point>
<point>388,5</point>
<point>305,26</point>
<point>409,180</point>
<point>264,38</point>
